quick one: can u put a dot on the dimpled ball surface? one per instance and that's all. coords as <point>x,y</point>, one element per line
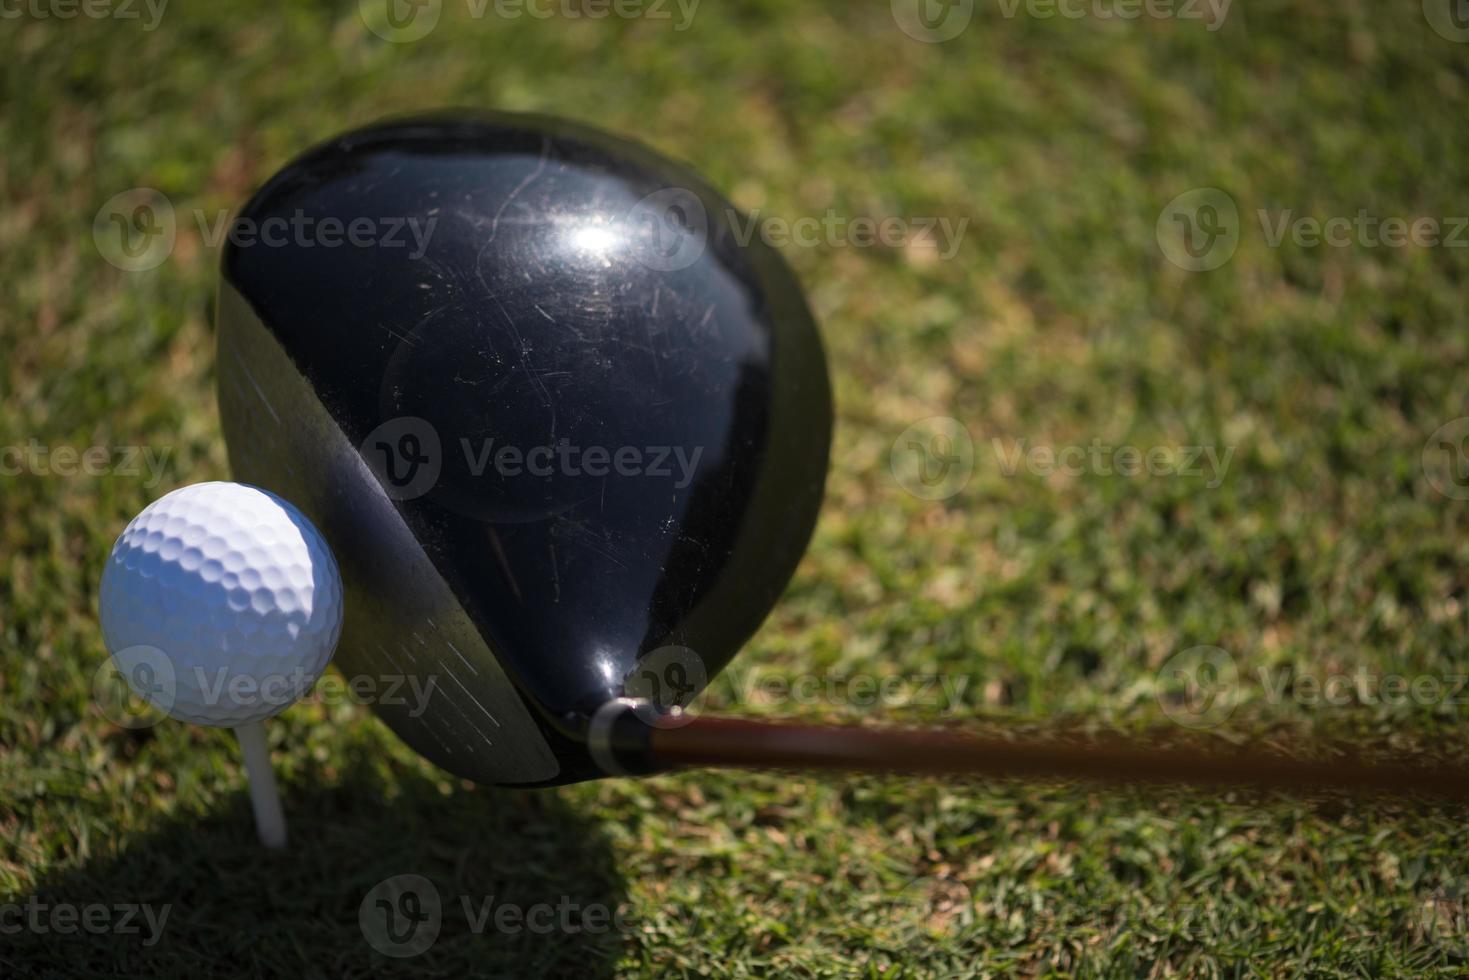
<point>236,592</point>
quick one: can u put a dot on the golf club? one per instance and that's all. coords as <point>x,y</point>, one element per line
<point>568,439</point>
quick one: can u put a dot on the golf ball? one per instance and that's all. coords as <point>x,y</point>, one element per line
<point>221,604</point>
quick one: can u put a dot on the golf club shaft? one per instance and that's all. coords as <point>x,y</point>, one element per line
<point>755,744</point>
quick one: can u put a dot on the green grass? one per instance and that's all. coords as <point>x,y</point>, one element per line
<point>1324,551</point>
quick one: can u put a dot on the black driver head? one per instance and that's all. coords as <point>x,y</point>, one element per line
<point>563,420</point>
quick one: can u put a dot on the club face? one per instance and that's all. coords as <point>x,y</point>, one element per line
<point>566,431</point>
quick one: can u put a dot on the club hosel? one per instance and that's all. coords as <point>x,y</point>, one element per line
<point>620,740</point>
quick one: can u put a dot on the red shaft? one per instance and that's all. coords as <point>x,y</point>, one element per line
<point>753,744</point>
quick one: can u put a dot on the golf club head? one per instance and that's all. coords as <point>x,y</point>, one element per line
<point>565,431</point>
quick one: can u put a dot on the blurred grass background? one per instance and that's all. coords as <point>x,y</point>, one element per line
<point>1326,549</point>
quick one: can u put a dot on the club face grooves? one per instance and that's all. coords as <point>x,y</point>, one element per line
<point>406,637</point>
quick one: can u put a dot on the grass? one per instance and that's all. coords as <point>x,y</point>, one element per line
<point>1324,551</point>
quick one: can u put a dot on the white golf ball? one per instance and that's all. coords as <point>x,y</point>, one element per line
<point>221,604</point>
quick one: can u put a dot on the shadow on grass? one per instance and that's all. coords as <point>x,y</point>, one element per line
<point>332,904</point>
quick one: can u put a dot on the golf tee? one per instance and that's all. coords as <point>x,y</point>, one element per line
<point>270,821</point>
